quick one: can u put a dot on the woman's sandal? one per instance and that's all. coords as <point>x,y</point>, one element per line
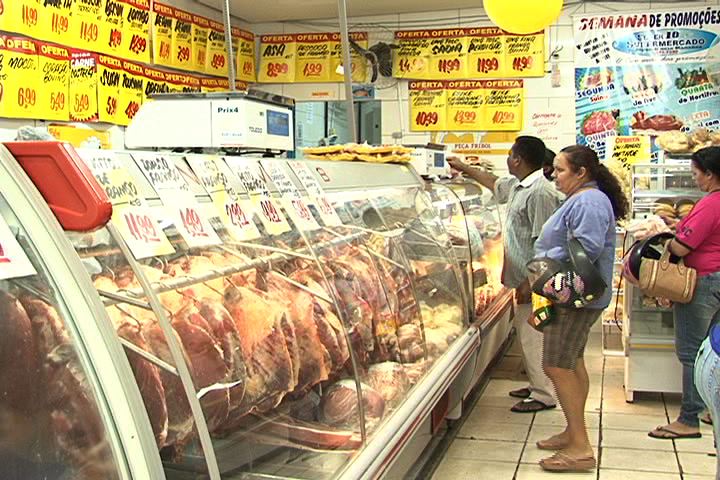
<point>561,462</point>
<point>552,443</point>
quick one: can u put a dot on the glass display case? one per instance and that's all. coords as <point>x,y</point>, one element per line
<point>668,191</point>
<point>278,320</point>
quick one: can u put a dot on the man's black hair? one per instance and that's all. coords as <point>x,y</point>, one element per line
<point>531,150</point>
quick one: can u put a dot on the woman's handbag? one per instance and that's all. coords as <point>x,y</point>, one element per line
<point>664,279</point>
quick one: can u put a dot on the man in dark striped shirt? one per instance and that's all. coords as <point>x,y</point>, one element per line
<point>531,199</point>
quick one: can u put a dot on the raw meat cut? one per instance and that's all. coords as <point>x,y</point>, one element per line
<point>339,405</point>
<point>598,122</point>
<point>389,380</point>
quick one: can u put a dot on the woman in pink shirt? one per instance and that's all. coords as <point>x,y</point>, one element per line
<point>697,239</point>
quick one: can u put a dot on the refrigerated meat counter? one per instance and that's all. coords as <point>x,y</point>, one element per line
<point>189,316</point>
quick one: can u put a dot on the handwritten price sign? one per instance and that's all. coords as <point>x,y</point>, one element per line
<point>292,201</point>
<point>317,196</point>
<point>428,103</point>
<point>278,55</point>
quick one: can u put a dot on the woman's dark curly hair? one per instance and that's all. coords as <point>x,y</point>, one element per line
<point>579,156</point>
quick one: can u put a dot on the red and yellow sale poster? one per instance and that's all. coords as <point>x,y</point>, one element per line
<point>412,58</point>
<point>359,64</point>
<point>22,17</point>
<point>503,105</point>
<point>200,31</point>
<point>182,41</point>
<point>465,105</point>
<point>448,54</point>
<point>53,82</point>
<point>216,61</point>
<point>112,28</point>
<point>182,82</point>
<point>277,59</point>
<point>19,73</point>
<point>83,87</point>
<point>132,89</point>
<point>136,36</point>
<point>428,106</point>
<point>154,82</point>
<point>245,56</point>
<point>110,71</point>
<point>486,52</point>
<point>208,84</point>
<point>312,61</point>
<point>54,21</point>
<point>86,25</point>
<point>162,32</point>
<point>525,55</point>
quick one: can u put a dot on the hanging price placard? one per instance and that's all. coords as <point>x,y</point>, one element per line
<point>252,179</point>
<point>21,16</point>
<point>234,212</point>
<point>317,196</point>
<point>86,21</point>
<point>277,59</point>
<point>19,72</point>
<point>312,62</point>
<point>428,106</point>
<point>200,31</point>
<point>13,261</point>
<point>131,216</point>
<point>465,105</point>
<point>110,71</point>
<point>216,61</point>
<point>245,55</point>
<point>112,27</point>
<point>448,56</point>
<point>182,83</point>
<point>132,88</point>
<point>154,82</point>
<point>293,202</point>
<point>83,87</point>
<point>486,52</point>
<point>412,58</point>
<point>525,55</point>
<point>503,105</point>
<point>162,31</point>
<point>182,40</point>
<point>53,88</point>
<point>136,32</point>
<point>54,22</point>
<point>359,64</point>
<point>173,190</point>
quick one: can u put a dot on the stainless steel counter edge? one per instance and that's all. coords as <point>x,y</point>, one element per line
<point>387,443</point>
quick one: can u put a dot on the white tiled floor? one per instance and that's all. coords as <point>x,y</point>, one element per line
<point>496,444</point>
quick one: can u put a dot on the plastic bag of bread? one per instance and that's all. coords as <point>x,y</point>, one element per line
<point>674,141</point>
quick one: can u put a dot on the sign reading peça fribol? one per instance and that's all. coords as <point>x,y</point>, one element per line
<point>677,36</point>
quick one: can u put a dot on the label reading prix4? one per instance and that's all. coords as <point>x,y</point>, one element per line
<point>251,177</point>
<point>317,196</point>
<point>173,190</point>
<point>13,261</point>
<point>294,204</point>
<point>235,213</point>
<point>131,216</point>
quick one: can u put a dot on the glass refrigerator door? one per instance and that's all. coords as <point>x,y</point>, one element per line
<point>55,423</point>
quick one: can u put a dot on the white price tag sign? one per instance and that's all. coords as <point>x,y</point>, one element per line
<point>318,198</point>
<point>294,204</point>
<point>252,178</point>
<point>216,178</point>
<point>131,216</point>
<point>13,261</point>
<point>173,190</point>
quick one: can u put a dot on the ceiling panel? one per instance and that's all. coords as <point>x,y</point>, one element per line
<point>278,10</point>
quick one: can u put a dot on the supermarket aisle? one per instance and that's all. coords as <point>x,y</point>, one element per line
<point>499,445</point>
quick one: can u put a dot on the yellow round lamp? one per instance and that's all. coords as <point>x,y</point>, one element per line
<point>523,16</point>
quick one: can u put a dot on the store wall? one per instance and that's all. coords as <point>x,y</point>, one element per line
<point>540,96</point>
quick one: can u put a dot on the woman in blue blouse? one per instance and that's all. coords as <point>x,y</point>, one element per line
<point>594,201</point>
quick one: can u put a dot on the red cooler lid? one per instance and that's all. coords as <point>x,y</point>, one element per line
<point>67,184</point>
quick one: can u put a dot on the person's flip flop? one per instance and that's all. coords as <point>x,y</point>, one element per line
<point>520,393</point>
<point>530,406</point>
<point>706,419</point>
<point>561,462</point>
<point>551,443</point>
<point>664,433</point>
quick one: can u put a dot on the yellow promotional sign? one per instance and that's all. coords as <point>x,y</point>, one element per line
<point>629,150</point>
<point>465,105</point>
<point>85,26</point>
<point>412,58</point>
<point>213,84</point>
<point>80,137</point>
<point>503,105</point>
<point>19,73</point>
<point>486,52</point>
<point>112,28</point>
<point>277,59</point>
<point>428,106</point>
<point>110,71</point>
<point>448,55</point>
<point>200,30</point>
<point>467,53</point>
<point>182,41</point>
<point>216,61</point>
<point>182,82</point>
<point>132,88</point>
<point>21,16</point>
<point>83,87</point>
<point>525,55</point>
<point>246,56</point>
<point>154,82</point>
<point>136,34</point>
<point>54,80</point>
<point>54,22</point>
<point>359,64</point>
<point>162,33</point>
<point>312,59</point>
